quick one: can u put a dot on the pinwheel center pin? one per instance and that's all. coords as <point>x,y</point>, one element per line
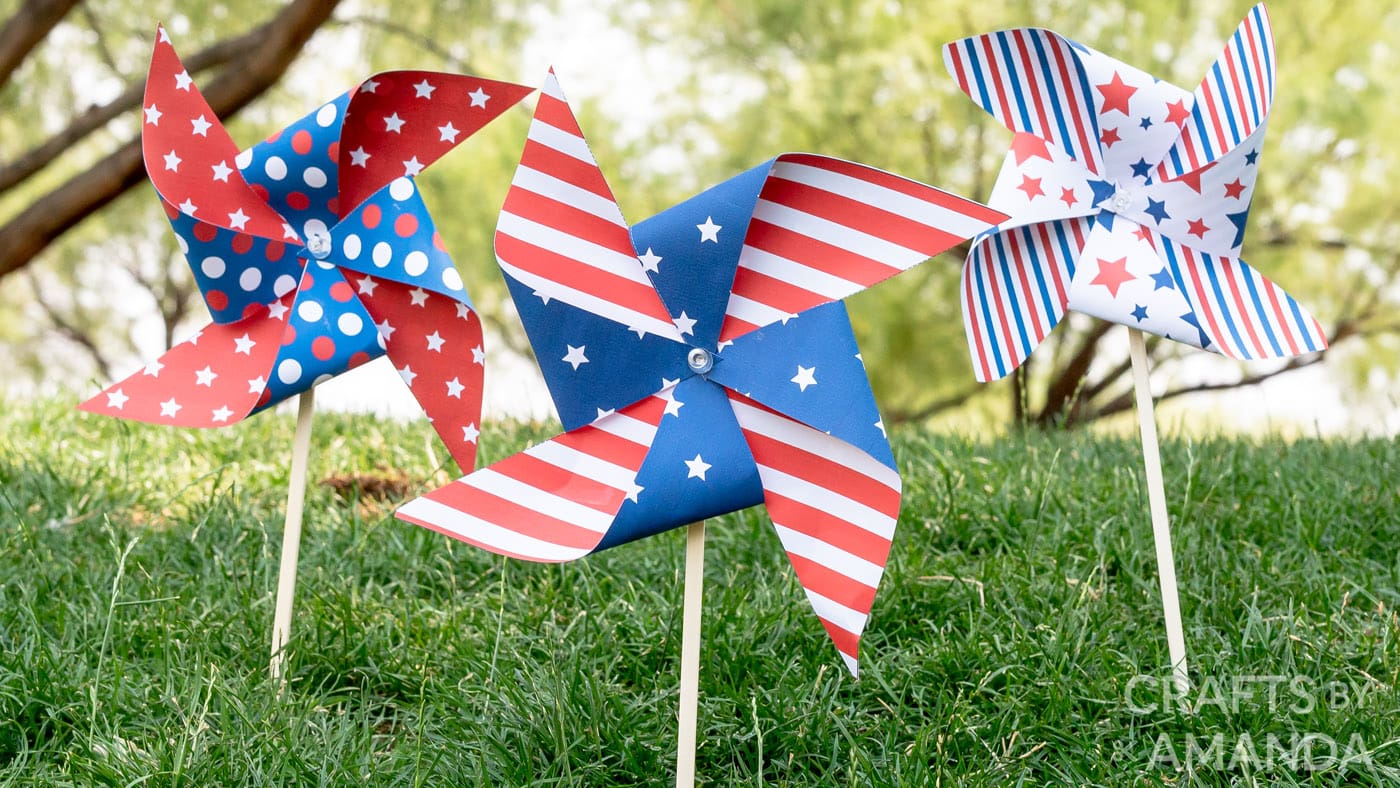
<point>700,360</point>
<point>318,243</point>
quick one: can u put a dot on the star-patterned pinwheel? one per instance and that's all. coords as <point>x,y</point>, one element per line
<point>313,249</point>
<point>702,362</point>
<point>1128,199</point>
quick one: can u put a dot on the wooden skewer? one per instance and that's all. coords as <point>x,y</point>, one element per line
<point>690,652</point>
<point>291,536</point>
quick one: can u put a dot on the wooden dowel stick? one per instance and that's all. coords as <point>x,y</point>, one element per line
<point>1157,502</point>
<point>291,534</point>
<point>690,652</point>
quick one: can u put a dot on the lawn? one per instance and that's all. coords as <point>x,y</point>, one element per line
<point>1017,638</point>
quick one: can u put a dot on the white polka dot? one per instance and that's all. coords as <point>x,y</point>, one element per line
<point>213,267</point>
<point>382,254</point>
<point>289,371</point>
<point>275,168</point>
<point>244,159</point>
<point>451,279</point>
<point>285,284</point>
<point>313,227</point>
<point>322,379</point>
<point>315,177</point>
<point>415,263</point>
<point>350,324</point>
<point>250,279</point>
<point>325,116</point>
<point>184,245</point>
<point>310,311</point>
<point>401,189</point>
<point>351,247</point>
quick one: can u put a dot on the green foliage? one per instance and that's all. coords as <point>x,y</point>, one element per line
<point>137,566</point>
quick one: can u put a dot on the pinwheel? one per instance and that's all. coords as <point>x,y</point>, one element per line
<point>1128,198</point>
<point>701,362</point>
<point>315,253</point>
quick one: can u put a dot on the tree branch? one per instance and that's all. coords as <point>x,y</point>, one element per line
<point>246,77</point>
<point>933,408</point>
<point>70,330</point>
<point>1066,385</point>
<point>26,30</point>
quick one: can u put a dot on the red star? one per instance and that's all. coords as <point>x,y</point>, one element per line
<point>1197,228</point>
<point>1109,137</point>
<point>1116,93</point>
<point>1027,145</point>
<point>1031,186</point>
<point>1193,179</point>
<point>1112,274</point>
<point>1177,113</point>
<point>1067,197</point>
<point>1144,234</point>
<point>1234,190</point>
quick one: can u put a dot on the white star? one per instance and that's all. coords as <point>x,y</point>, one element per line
<point>412,167</point>
<point>424,89</point>
<point>172,161</point>
<point>222,171</point>
<point>358,157</point>
<point>183,81</point>
<point>860,359</point>
<point>369,86</point>
<point>385,330</point>
<point>479,355</point>
<point>170,407</point>
<point>188,207</point>
<point>673,405</point>
<point>277,310</point>
<point>244,345</point>
<point>544,298</point>
<point>880,425</point>
<point>194,338</point>
<point>470,433</point>
<point>222,413</point>
<point>479,97</point>
<point>455,388</point>
<point>153,115</point>
<point>418,296</point>
<point>697,468</point>
<point>238,219</point>
<point>575,355</point>
<point>393,123</point>
<point>650,261</point>
<point>164,37</point>
<point>789,316</point>
<point>289,232</point>
<point>806,376</point>
<point>435,341</point>
<point>116,399</point>
<point>464,311</point>
<point>448,133</point>
<point>723,343</point>
<point>367,286</point>
<point>634,492</point>
<point>153,369</point>
<point>684,324</point>
<point>407,374</point>
<point>257,385</point>
<point>604,413</point>
<point>709,231</point>
<point>201,126</point>
<point>639,331</point>
<point>205,377</point>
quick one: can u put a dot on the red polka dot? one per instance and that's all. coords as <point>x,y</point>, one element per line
<point>406,225</point>
<point>371,216</point>
<point>275,250</point>
<point>242,243</point>
<point>289,335</point>
<point>323,347</point>
<point>259,190</point>
<point>358,358</point>
<point>437,241</point>
<point>333,150</point>
<point>217,300</point>
<point>170,210</point>
<point>301,142</point>
<point>306,281</point>
<point>274,136</point>
<point>342,292</point>
<point>298,201</point>
<point>265,398</point>
<point>205,232</point>
<point>253,309</point>
<point>333,205</point>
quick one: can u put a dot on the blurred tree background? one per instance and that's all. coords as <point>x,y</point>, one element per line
<point>727,84</point>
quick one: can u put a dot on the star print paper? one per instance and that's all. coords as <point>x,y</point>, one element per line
<point>313,249</point>
<point>1128,196</point>
<point>702,362</point>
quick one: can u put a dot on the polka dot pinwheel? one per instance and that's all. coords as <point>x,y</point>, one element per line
<point>702,362</point>
<point>1128,198</point>
<point>313,249</point>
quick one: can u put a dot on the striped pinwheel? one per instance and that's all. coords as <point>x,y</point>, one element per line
<point>1128,199</point>
<point>702,362</point>
<point>313,249</point>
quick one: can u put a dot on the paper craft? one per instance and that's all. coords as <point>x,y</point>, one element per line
<point>1129,198</point>
<point>313,249</point>
<point>702,363</point>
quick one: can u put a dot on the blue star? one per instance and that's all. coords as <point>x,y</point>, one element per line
<point>1157,209</point>
<point>1103,190</point>
<point>1146,123</point>
<point>1142,169</point>
<point>1163,280</point>
<point>1190,319</point>
<point>1239,220</point>
<point>1140,312</point>
<point>1252,156</point>
<point>1104,217</point>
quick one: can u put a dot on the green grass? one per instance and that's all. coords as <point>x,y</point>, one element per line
<point>137,566</point>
